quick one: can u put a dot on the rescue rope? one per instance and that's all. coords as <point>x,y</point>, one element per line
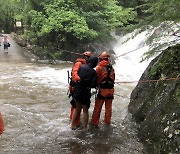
<point>121,96</point>
<point>167,79</point>
<point>58,49</point>
<point>121,82</point>
<point>144,81</point>
<point>130,51</point>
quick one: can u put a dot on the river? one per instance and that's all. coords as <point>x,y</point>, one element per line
<point>35,109</point>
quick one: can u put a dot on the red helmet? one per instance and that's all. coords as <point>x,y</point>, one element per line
<point>104,55</point>
<point>87,53</point>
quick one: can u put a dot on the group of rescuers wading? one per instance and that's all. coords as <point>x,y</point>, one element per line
<point>83,78</point>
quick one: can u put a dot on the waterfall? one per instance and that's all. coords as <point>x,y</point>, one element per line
<point>128,66</point>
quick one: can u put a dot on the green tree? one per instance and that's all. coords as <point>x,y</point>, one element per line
<point>9,10</point>
<point>163,10</point>
<point>162,13</point>
<point>6,15</point>
<point>71,22</point>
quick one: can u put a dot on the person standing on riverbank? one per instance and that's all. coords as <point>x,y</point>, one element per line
<point>106,77</point>
<point>75,78</point>
<point>6,43</point>
<point>82,90</point>
<point>1,124</point>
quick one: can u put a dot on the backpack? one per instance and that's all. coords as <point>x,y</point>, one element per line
<point>107,82</point>
<point>71,85</point>
<point>70,80</point>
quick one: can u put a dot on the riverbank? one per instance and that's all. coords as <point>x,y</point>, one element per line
<point>55,56</point>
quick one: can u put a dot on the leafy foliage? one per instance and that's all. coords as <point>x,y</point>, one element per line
<point>71,22</point>
<point>65,24</point>
<point>7,9</point>
<point>163,16</point>
<point>163,10</point>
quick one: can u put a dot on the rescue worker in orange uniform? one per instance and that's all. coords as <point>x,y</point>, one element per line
<point>1,124</point>
<point>106,77</point>
<point>75,78</point>
<point>82,90</point>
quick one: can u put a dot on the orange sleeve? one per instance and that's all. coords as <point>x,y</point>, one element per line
<point>102,73</point>
<point>75,69</point>
<point>99,73</point>
<point>1,124</point>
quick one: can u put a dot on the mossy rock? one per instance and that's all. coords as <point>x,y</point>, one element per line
<point>156,105</point>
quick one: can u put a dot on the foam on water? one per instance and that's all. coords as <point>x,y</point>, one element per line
<point>128,67</point>
<point>48,76</point>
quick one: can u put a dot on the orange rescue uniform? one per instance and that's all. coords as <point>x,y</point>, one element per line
<point>1,124</point>
<point>76,67</point>
<point>104,95</point>
<point>75,78</point>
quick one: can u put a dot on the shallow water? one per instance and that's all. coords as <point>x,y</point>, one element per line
<point>35,108</point>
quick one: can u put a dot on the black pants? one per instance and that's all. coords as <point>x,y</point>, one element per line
<point>82,95</point>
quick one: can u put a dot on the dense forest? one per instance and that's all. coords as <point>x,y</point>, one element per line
<point>65,24</point>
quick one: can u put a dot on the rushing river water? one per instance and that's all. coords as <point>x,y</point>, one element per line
<point>35,109</point>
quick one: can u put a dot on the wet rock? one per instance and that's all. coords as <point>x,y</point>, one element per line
<point>156,105</point>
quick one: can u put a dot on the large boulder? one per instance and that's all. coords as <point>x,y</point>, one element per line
<point>155,105</point>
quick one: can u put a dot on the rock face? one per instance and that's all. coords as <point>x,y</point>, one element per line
<point>156,105</point>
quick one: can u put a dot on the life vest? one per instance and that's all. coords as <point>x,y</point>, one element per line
<point>108,81</point>
<point>106,86</point>
<point>74,73</point>
<point>1,124</point>
<point>83,61</point>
